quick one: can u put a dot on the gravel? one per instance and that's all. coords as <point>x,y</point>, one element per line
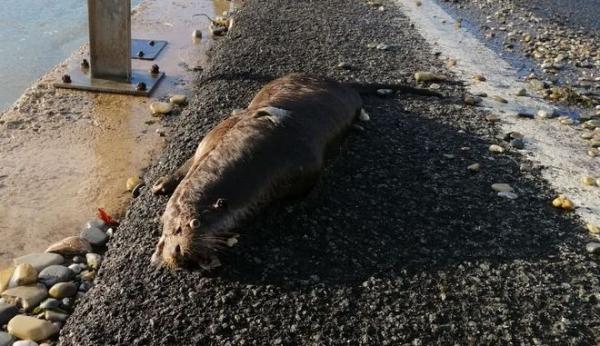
<point>399,244</point>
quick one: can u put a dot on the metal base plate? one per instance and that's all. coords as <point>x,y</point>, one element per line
<point>149,48</point>
<point>81,80</point>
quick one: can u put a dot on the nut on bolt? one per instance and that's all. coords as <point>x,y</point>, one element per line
<point>85,63</point>
<point>140,54</point>
<point>141,86</point>
<point>66,78</point>
<point>154,69</point>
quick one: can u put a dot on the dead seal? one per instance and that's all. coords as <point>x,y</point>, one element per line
<point>273,149</point>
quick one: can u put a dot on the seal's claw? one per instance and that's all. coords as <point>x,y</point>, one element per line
<point>164,185</point>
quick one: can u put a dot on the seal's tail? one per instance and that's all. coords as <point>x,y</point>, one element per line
<point>372,89</point>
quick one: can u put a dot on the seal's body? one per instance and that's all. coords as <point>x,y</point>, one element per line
<point>273,149</point>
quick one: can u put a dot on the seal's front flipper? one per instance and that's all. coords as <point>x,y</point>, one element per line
<point>167,184</point>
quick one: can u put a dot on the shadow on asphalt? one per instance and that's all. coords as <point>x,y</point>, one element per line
<point>393,203</point>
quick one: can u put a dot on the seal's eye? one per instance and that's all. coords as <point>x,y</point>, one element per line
<point>221,203</point>
<point>195,224</point>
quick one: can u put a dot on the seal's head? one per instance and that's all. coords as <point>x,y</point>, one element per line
<point>190,237</point>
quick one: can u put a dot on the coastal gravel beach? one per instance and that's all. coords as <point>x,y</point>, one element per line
<point>400,244</point>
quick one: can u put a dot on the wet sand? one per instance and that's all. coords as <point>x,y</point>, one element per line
<point>63,154</point>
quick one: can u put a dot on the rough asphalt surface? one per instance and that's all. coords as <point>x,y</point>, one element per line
<point>399,245</point>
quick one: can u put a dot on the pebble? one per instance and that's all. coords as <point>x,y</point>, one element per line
<point>75,268</point>
<point>492,118</point>
<point>544,114</point>
<point>158,108</point>
<point>97,223</point>
<point>472,100</point>
<point>382,46</point>
<point>364,116</point>
<point>70,246</point>
<point>68,302</point>
<point>592,228</point>
<point>517,143</point>
<point>592,247</point>
<point>93,260</point>
<point>435,86</point>
<point>63,290</point>
<point>5,275</point>
<point>85,286</point>
<point>522,92</point>
<point>197,34</point>
<point>24,274</point>
<point>27,297</point>
<point>589,181</point>
<point>26,343</point>
<point>178,99</point>
<point>567,121</point>
<point>479,78</point>
<point>499,99</point>
<point>40,260</point>
<point>384,92</point>
<point>343,66</point>
<point>494,148</point>
<point>474,167</point>
<point>593,152</point>
<point>55,274</point>
<point>31,328</point>
<point>508,194</point>
<point>95,236</point>
<point>7,311</point>
<point>563,202</point>
<point>423,76</point>
<point>54,316</point>
<point>132,182</point>
<point>88,275</point>
<point>6,339</point>
<point>525,115</point>
<point>50,304</point>
<point>591,124</point>
<point>502,187</point>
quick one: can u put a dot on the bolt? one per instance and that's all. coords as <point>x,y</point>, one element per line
<point>85,63</point>
<point>66,78</point>
<point>140,54</point>
<point>155,69</point>
<point>151,43</point>
<point>141,86</point>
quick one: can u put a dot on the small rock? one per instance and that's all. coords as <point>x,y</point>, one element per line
<point>508,194</point>
<point>384,92</point>
<point>68,303</point>
<point>5,275</point>
<point>567,121</point>
<point>27,297</point>
<point>93,260</point>
<point>563,202</point>
<point>472,100</point>
<point>197,34</point>
<point>544,114</point>
<point>85,286</point>
<point>593,229</point>
<point>159,108</point>
<point>95,236</point>
<point>492,118</point>
<point>63,290</point>
<point>75,268</point>
<point>525,115</point>
<point>54,316</point>
<point>40,260</point>
<point>474,167</point>
<point>593,152</point>
<point>494,148</point>
<point>517,143</point>
<point>25,343</point>
<point>343,66</point>
<point>31,328</point>
<point>502,187</point>
<point>132,182</point>
<point>499,99</point>
<point>70,246</point>
<point>88,275</point>
<point>589,181</point>
<point>96,223</point>
<point>522,92</point>
<point>592,247</point>
<point>382,46</point>
<point>479,78</point>
<point>6,339</point>
<point>423,76</point>
<point>55,274</point>
<point>364,116</point>
<point>50,304</point>
<point>7,311</point>
<point>178,99</point>
<point>24,274</point>
<point>435,86</point>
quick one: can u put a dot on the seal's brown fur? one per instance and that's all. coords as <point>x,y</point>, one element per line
<point>272,149</point>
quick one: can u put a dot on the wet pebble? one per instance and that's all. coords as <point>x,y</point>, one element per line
<point>472,100</point>
<point>85,286</point>
<point>67,303</point>
<point>95,236</point>
<point>593,152</point>
<point>24,274</point>
<point>197,34</point>
<point>132,182</point>
<point>423,76</point>
<point>54,316</point>
<point>31,328</point>
<point>27,297</point>
<point>593,229</point>
<point>7,311</point>
<point>508,195</point>
<point>40,260</point>
<point>70,246</point>
<point>75,268</point>
<point>525,115</point>
<point>502,187</point>
<point>474,167</point>
<point>492,118</point>
<point>589,181</point>
<point>6,339</point>
<point>382,46</point>
<point>50,304</point>
<point>546,114</point>
<point>63,290</point>
<point>178,99</point>
<point>343,66</point>
<point>25,343</point>
<point>517,143</point>
<point>522,92</point>
<point>96,223</point>
<point>562,202</point>
<point>364,116</point>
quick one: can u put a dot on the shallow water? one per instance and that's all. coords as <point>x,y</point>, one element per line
<point>34,36</point>
<point>55,171</point>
